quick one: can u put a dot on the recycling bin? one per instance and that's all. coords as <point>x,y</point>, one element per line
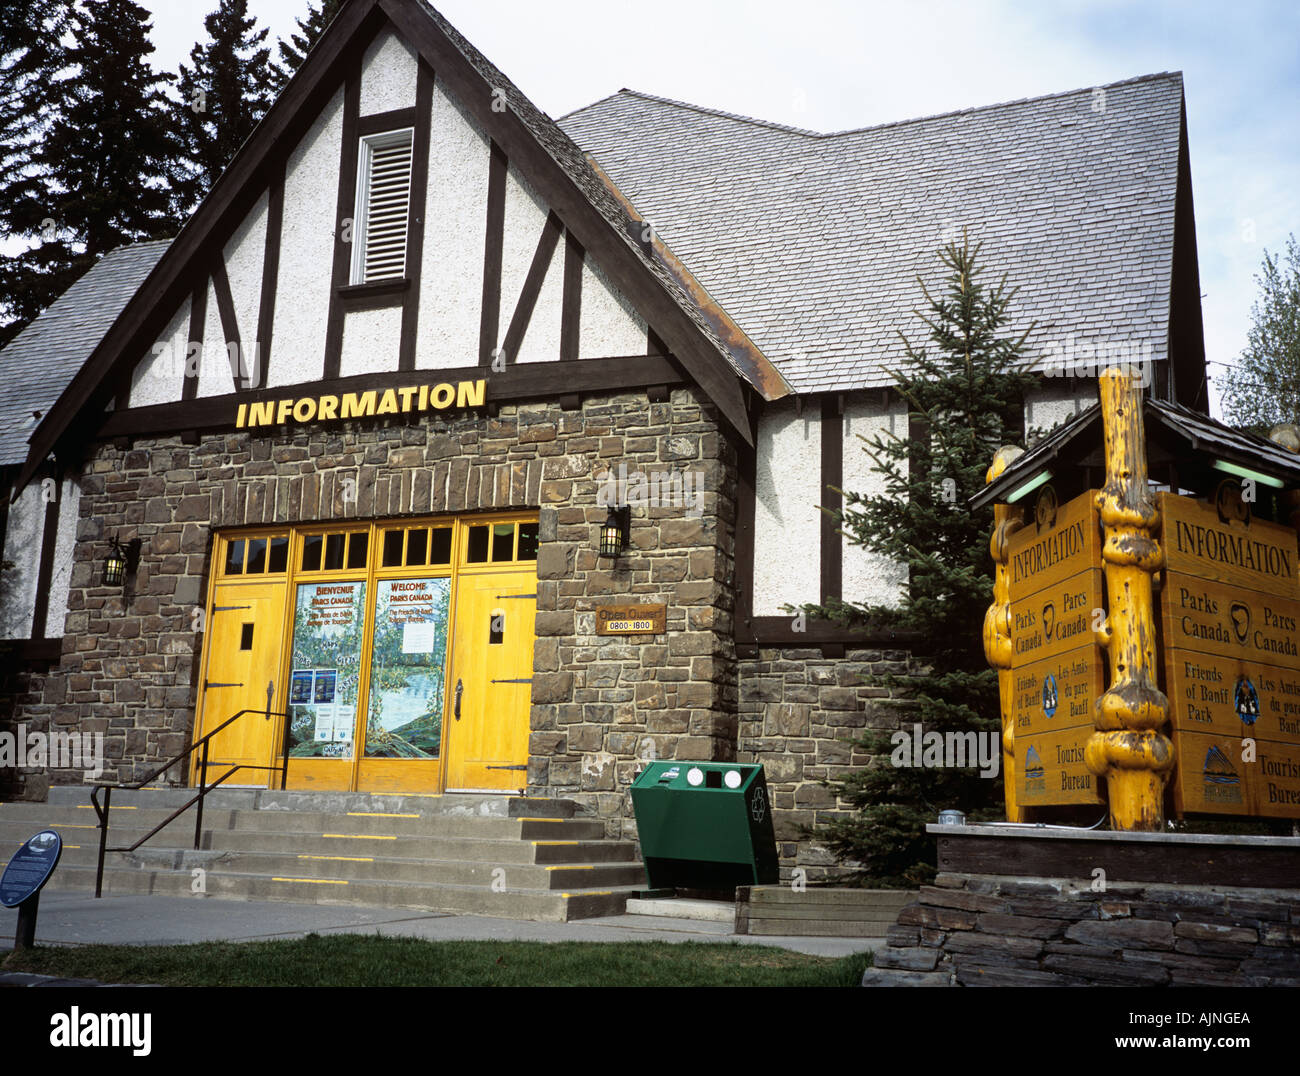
<point>705,825</point>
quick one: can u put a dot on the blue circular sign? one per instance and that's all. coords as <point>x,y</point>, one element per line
<point>30,868</point>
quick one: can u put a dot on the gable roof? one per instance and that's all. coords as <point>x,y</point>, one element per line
<point>1182,433</point>
<point>38,363</point>
<point>813,242</point>
<point>555,167</point>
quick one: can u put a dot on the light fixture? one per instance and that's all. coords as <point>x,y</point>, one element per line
<point>614,534</point>
<point>1028,487</point>
<point>115,566</point>
<point>119,561</point>
<point>1246,472</point>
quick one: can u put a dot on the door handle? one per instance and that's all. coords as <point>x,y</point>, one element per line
<point>456,708</point>
<point>270,694</point>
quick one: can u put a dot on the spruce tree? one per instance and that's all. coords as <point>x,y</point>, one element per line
<point>965,390</point>
<point>223,96</point>
<point>31,56</point>
<point>107,159</point>
<point>294,51</point>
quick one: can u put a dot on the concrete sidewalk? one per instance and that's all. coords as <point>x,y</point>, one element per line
<point>73,919</point>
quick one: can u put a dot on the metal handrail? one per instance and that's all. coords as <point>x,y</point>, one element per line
<point>102,810</point>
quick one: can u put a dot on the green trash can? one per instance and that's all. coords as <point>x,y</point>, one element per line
<point>705,825</point>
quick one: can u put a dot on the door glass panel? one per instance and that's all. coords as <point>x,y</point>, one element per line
<point>358,543</point>
<point>235,557</point>
<point>503,541</point>
<point>416,546</point>
<point>440,546</point>
<point>334,551</point>
<point>527,541</point>
<point>407,668</point>
<point>279,554</point>
<point>327,629</point>
<point>311,550</point>
<point>392,549</point>
<point>256,555</point>
<point>478,545</point>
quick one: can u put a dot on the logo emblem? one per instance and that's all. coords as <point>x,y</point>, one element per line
<point>1049,695</point>
<point>758,806</point>
<point>1049,621</point>
<point>1245,700</point>
<point>1045,509</point>
<point>1222,785</point>
<point>1239,615</point>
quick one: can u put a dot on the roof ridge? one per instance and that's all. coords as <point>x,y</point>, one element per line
<point>1152,77</point>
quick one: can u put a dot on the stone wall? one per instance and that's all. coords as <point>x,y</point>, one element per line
<point>988,930</point>
<point>21,686</point>
<point>799,715</point>
<point>131,654</point>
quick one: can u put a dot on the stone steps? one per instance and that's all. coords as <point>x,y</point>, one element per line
<point>486,855</point>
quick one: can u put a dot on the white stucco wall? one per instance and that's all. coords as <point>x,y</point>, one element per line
<point>609,324</point>
<point>64,548</point>
<point>371,339</point>
<point>159,376</point>
<point>244,256</point>
<point>787,523</point>
<point>307,251</point>
<point>455,228</point>
<point>525,215</point>
<point>22,547</point>
<point>214,371</point>
<point>387,75</point>
<point>869,577</point>
<point>1057,399</point>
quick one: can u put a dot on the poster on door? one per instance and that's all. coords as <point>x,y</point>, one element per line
<point>327,630</point>
<point>407,668</point>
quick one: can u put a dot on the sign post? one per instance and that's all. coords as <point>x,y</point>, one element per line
<point>1130,749</point>
<point>28,870</point>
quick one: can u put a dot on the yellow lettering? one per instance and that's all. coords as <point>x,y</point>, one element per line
<point>261,414</point>
<point>282,411</point>
<point>406,395</point>
<point>443,396</point>
<point>355,404</point>
<point>472,393</point>
<point>304,410</point>
<point>239,418</point>
<point>329,406</point>
<point>424,397</point>
<point>387,403</point>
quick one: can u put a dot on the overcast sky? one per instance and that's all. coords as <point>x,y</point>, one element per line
<point>828,65</point>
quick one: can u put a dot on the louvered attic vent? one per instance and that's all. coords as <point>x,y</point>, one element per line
<point>383,198</point>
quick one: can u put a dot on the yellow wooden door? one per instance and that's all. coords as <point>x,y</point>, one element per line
<point>491,682</point>
<point>243,661</point>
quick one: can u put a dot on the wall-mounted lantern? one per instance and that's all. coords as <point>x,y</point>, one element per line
<point>616,531</point>
<point>119,561</point>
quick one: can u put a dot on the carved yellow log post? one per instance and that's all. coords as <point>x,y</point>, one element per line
<point>997,624</point>
<point>1129,749</point>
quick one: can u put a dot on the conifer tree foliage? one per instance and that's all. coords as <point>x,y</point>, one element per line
<point>1263,388</point>
<point>965,388</point>
<point>99,174</point>
<point>293,52</point>
<point>223,95</point>
<point>31,56</point>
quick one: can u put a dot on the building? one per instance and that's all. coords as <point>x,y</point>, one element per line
<point>358,427</point>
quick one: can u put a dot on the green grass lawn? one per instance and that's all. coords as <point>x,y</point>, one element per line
<point>361,960</point>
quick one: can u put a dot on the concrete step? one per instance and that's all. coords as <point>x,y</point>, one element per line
<point>475,805</point>
<point>709,911</point>
<point>544,905</point>
<point>480,871</point>
<point>481,854</point>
